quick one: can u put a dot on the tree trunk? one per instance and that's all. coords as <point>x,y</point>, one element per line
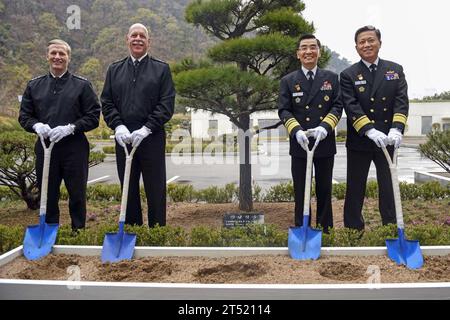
<point>32,200</point>
<point>245,167</point>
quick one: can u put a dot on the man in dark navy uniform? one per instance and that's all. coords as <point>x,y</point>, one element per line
<point>61,106</point>
<point>137,100</point>
<point>310,101</point>
<point>375,97</point>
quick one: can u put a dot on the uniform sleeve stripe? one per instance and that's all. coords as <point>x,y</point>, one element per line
<point>332,116</point>
<point>361,122</point>
<point>330,122</point>
<point>399,117</point>
<point>291,124</point>
<point>288,122</point>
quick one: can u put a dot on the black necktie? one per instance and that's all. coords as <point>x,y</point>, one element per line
<point>373,70</point>
<point>310,78</point>
<point>136,63</point>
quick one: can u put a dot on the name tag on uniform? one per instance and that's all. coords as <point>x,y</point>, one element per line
<point>297,94</point>
<point>358,83</point>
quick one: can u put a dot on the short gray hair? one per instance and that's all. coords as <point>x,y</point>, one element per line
<point>140,25</point>
<point>60,42</point>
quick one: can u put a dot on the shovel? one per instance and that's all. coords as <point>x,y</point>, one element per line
<point>39,239</point>
<point>400,250</point>
<point>120,246</point>
<point>305,242</point>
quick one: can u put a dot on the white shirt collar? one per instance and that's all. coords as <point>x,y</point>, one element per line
<point>59,76</point>
<point>140,59</point>
<point>305,71</point>
<point>368,64</point>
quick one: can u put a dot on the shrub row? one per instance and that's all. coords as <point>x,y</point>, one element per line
<point>283,192</point>
<point>249,236</point>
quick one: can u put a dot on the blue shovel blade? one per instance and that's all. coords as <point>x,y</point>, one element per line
<point>304,243</point>
<point>404,251</point>
<point>118,246</point>
<point>407,253</point>
<point>39,240</point>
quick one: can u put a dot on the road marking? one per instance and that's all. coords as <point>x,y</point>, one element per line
<point>172,179</point>
<point>101,179</point>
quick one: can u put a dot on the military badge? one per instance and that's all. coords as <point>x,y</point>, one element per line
<point>297,100</point>
<point>326,98</point>
<point>360,76</point>
<point>297,94</point>
<point>391,75</point>
<point>326,86</point>
<point>297,87</point>
<point>362,89</point>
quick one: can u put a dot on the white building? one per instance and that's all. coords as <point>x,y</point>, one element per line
<point>422,116</point>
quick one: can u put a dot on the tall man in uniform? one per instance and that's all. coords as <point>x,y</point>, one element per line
<point>137,100</point>
<point>310,100</point>
<point>376,103</point>
<point>61,106</point>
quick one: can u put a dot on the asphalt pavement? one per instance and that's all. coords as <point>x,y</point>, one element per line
<point>269,167</point>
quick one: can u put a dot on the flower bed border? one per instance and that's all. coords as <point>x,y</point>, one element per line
<point>50,289</point>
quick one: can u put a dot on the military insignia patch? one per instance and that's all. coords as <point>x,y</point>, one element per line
<point>362,89</point>
<point>360,76</point>
<point>391,75</point>
<point>297,87</point>
<point>326,86</point>
<point>297,100</point>
<point>326,98</point>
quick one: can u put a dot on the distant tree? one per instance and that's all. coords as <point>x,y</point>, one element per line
<point>258,47</point>
<point>437,148</point>
<point>92,69</point>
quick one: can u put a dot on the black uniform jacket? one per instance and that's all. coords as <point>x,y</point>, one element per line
<point>136,98</point>
<point>380,103</point>
<point>301,107</point>
<point>57,102</point>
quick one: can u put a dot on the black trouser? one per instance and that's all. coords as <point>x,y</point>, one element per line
<point>149,159</point>
<point>358,164</point>
<point>69,162</point>
<point>323,175</point>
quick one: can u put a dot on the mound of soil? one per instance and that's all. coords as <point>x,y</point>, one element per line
<point>251,270</point>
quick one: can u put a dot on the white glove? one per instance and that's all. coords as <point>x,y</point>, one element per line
<point>302,139</point>
<point>138,135</point>
<point>378,137</point>
<point>395,137</point>
<point>122,135</point>
<point>319,133</point>
<point>60,132</point>
<point>42,129</point>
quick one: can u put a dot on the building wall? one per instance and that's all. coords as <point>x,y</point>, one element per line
<point>439,111</point>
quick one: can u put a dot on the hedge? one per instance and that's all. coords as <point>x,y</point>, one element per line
<point>266,235</point>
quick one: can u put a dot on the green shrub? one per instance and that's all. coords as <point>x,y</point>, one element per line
<point>109,149</point>
<point>202,236</point>
<point>7,194</point>
<point>372,189</point>
<point>181,192</point>
<point>253,235</point>
<point>283,192</point>
<point>409,191</point>
<point>218,195</point>
<point>433,190</point>
<point>339,190</point>
<point>10,237</point>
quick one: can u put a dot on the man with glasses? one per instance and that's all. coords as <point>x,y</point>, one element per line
<point>375,98</point>
<point>310,101</point>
